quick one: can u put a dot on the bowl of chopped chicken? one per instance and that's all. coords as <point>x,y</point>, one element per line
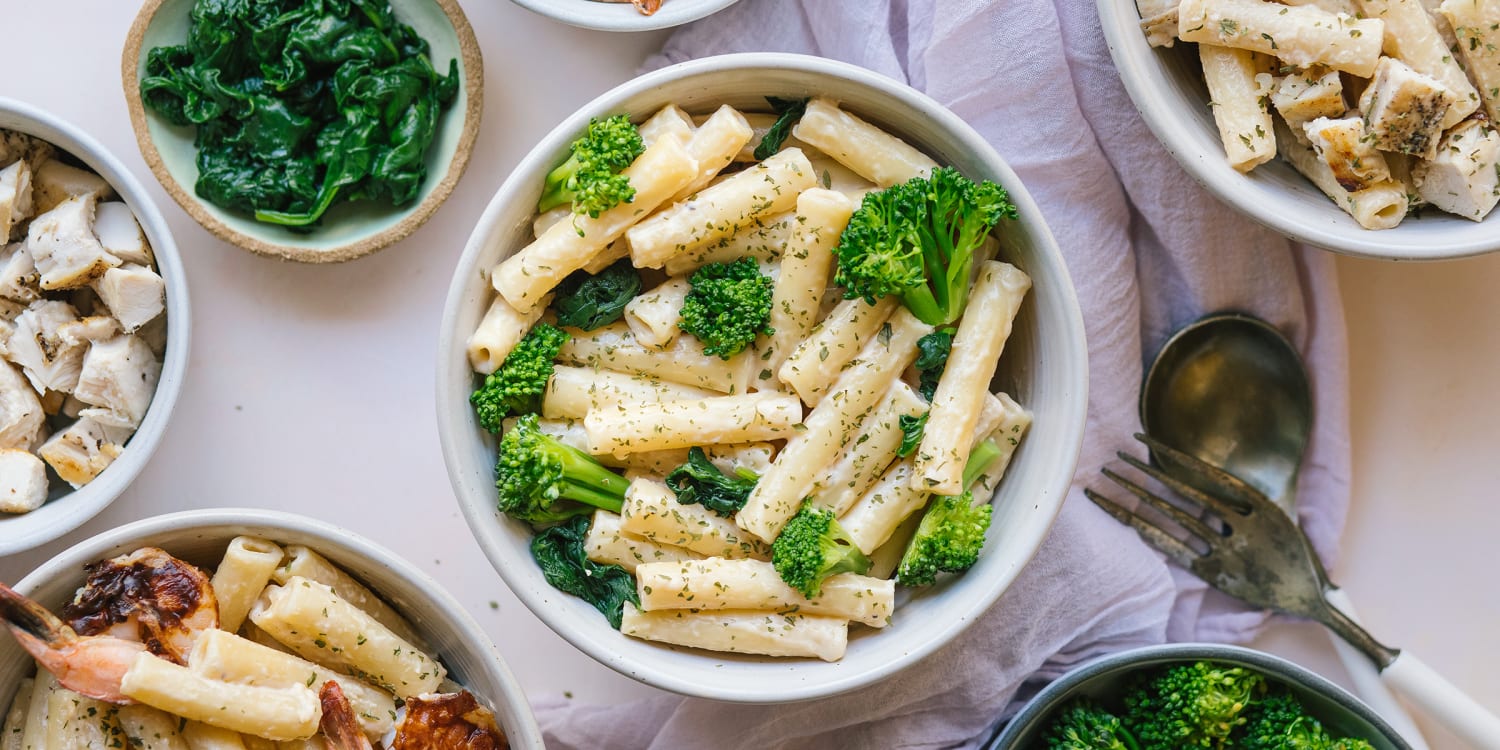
<point>90,287</point>
<point>1366,127</point>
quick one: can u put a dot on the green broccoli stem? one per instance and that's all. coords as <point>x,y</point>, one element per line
<point>979,459</point>
<point>555,191</point>
<point>587,481</point>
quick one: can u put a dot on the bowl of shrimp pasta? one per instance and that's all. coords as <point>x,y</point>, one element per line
<point>231,629</point>
<point>1366,127</point>
<point>760,378</point>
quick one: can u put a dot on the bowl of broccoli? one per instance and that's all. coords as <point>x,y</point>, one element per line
<point>1195,695</point>
<point>539,483</point>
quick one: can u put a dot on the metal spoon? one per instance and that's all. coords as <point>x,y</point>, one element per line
<point>1231,390</point>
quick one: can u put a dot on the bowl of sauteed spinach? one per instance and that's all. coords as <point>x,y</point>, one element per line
<point>311,130</point>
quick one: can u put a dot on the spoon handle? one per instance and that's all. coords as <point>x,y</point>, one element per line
<point>1442,700</point>
<point>1367,682</point>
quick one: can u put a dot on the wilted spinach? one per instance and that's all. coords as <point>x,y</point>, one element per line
<point>301,104</point>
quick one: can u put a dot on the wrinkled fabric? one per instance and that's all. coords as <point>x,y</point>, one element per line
<point>1149,251</point>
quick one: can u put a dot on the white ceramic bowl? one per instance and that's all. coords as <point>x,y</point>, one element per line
<point>622,16</point>
<point>1167,87</point>
<point>1045,367</point>
<point>67,509</point>
<point>200,537</point>
<point>1104,679</point>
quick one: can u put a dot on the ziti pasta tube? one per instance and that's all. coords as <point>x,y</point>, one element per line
<point>798,293</point>
<point>245,570</point>
<point>715,144</point>
<point>634,427</point>
<point>816,363</point>
<point>607,542</point>
<point>273,713</point>
<point>873,449</point>
<point>763,633</point>
<point>866,150</point>
<point>615,347</point>
<point>717,584</point>
<point>573,392</point>
<point>302,561</point>
<point>651,511</point>
<point>151,728</point>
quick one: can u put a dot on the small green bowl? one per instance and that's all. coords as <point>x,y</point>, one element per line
<point>348,230</point>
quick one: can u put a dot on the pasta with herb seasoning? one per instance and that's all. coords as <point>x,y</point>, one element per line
<point>739,394</point>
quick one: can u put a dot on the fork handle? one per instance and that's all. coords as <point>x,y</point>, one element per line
<point>1442,700</point>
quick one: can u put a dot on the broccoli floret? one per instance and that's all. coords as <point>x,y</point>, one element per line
<point>559,552</point>
<point>932,359</point>
<point>699,482</point>
<point>534,471</point>
<point>728,306</point>
<point>917,240</point>
<point>951,533</point>
<point>813,546</point>
<point>1279,722</point>
<point>594,301</point>
<point>1190,705</point>
<point>1082,724</point>
<point>517,387</point>
<point>1350,743</point>
<point>590,179</point>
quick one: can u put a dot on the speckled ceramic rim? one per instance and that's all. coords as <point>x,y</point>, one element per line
<point>70,511</point>
<point>1301,212</point>
<point>384,570</point>
<point>622,15</point>
<point>1039,708</point>
<point>473,70</point>
<point>1047,460</point>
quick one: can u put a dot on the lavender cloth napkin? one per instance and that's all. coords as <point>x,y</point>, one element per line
<point>1149,251</point>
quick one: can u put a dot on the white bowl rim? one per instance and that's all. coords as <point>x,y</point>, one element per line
<point>70,562</point>
<point>609,16</point>
<point>1135,61</point>
<point>479,516</point>
<point>1277,667</point>
<point>95,496</point>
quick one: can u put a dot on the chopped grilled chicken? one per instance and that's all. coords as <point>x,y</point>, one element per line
<point>52,402</point>
<point>1349,150</point>
<point>54,182</point>
<point>88,329</point>
<point>23,481</point>
<point>18,276</point>
<point>1464,178</point>
<point>134,295</point>
<point>118,378</point>
<point>120,233</point>
<point>1302,97</point>
<point>49,361</point>
<point>64,247</point>
<point>15,196</point>
<point>21,413</point>
<point>452,721</point>
<point>15,146</point>
<point>83,450</point>
<point>1404,109</point>
<point>1159,21</point>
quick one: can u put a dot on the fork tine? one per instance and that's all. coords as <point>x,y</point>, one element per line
<point>1163,542</point>
<point>1246,496</point>
<point>1184,519</point>
<point>1216,504</point>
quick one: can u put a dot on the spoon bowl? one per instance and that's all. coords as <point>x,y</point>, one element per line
<point>1231,390</point>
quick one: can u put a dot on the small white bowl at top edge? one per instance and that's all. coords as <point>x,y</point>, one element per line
<point>200,536</point>
<point>1167,87</point>
<point>67,512</point>
<point>622,16</point>
<point>1045,368</point>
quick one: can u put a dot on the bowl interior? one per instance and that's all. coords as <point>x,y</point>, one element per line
<point>1105,680</point>
<point>622,15</point>
<point>1044,367</point>
<point>1167,87</point>
<point>348,230</point>
<point>200,537</point>
<point>66,508</point>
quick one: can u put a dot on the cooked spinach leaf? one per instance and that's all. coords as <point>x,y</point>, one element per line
<point>301,104</point>
<point>791,111</point>
<point>559,551</point>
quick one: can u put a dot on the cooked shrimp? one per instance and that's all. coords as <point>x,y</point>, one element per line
<point>646,7</point>
<point>448,721</point>
<point>147,596</point>
<point>91,665</point>
<point>340,730</point>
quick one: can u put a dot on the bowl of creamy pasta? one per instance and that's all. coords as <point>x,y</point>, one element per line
<point>234,624</point>
<point>1361,126</point>
<point>811,399</point>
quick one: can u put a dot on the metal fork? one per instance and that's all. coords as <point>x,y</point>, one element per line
<point>1257,553</point>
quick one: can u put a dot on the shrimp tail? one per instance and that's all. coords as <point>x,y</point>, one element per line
<point>340,730</point>
<point>26,617</point>
<point>90,666</point>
